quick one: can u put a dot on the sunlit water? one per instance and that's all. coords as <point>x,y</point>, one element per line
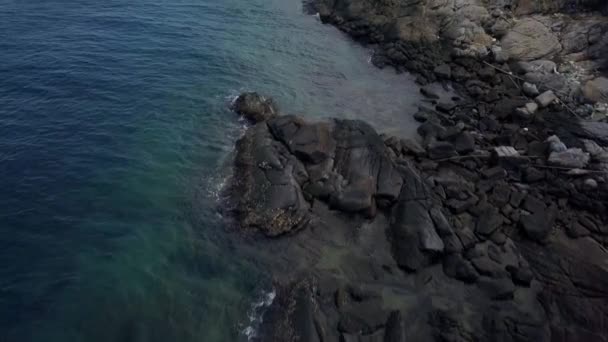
<point>115,139</point>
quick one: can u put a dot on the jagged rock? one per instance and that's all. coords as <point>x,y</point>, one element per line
<point>555,144</point>
<point>590,184</point>
<point>430,92</point>
<point>494,173</point>
<point>487,267</point>
<point>356,196</point>
<point>458,268</point>
<point>545,99</point>
<point>363,317</point>
<point>255,107</point>
<point>576,230</point>
<point>532,175</point>
<point>572,158</point>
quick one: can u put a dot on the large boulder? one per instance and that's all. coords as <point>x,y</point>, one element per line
<point>530,39</point>
<point>254,107</point>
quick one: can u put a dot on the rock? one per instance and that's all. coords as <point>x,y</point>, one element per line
<point>394,329</point>
<point>545,98</point>
<point>538,225</point>
<point>487,267</point>
<point>576,230</point>
<point>529,39</point>
<point>497,289</point>
<point>500,56</point>
<point>521,276</point>
<point>430,92</point>
<point>596,90</point>
<point>571,158</point>
<point>443,71</point>
<point>443,227</point>
<point>594,130</point>
<point>412,147</point>
<point>362,317</point>
<point>441,150</point>
<point>463,142</point>
<point>530,89</point>
<point>534,205</point>
<point>458,268</point>
<point>355,197</point>
<point>494,173</point>
<point>415,242</point>
<point>538,66</point>
<point>590,184</point>
<point>531,107</point>
<point>532,174</point>
<point>488,222</point>
<point>555,144</point>
<point>254,107</point>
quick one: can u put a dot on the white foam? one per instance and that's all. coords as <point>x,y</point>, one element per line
<point>256,313</point>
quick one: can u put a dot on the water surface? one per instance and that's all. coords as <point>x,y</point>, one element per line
<point>114,136</point>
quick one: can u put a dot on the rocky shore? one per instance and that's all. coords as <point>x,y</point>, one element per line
<point>492,226</point>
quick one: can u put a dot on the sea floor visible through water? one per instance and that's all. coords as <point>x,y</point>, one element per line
<point>116,139</point>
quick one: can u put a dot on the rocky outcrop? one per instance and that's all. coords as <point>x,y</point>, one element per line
<point>487,237</point>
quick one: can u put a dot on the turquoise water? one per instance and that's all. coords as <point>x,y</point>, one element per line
<point>115,140</point>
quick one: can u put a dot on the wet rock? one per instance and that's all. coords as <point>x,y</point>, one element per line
<point>571,158</point>
<point>255,107</point>
<point>458,268</point>
<point>494,173</point>
<point>545,99</point>
<point>590,184</point>
<point>441,150</point>
<point>532,175</point>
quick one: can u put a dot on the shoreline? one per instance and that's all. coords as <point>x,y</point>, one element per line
<point>494,227</point>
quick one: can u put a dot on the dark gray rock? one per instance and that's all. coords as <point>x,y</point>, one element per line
<point>463,142</point>
<point>356,196</point>
<point>458,268</point>
<point>538,225</point>
<point>521,275</point>
<point>443,71</point>
<point>488,222</point>
<point>571,158</point>
<point>412,147</point>
<point>441,150</point>
<point>545,99</point>
<point>497,289</point>
<point>394,330</point>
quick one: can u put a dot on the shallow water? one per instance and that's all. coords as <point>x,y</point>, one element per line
<point>114,140</point>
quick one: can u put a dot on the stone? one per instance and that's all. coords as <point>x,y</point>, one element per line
<point>254,107</point>
<point>530,89</point>
<point>571,158</point>
<point>521,275</point>
<point>488,222</point>
<point>532,175</point>
<point>355,197</point>
<point>412,147</point>
<point>497,289</point>
<point>534,205</point>
<point>443,227</point>
<point>394,328</point>
<point>529,39</point>
<point>555,144</point>
<point>443,71</point>
<point>531,107</point>
<point>441,150</point>
<point>596,90</point>
<point>463,142</point>
<point>494,173</point>
<point>538,225</point>
<point>430,92</point>
<point>455,266</point>
<point>576,230</point>
<point>487,267</point>
<point>545,99</point>
<point>590,184</point>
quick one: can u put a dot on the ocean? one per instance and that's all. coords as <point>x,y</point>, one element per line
<point>116,140</point>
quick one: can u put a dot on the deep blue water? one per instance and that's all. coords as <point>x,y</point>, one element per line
<point>114,141</point>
